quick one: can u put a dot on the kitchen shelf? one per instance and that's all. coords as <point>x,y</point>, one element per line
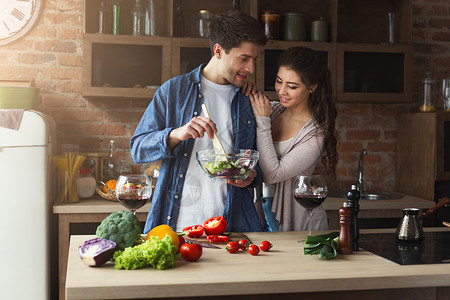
<point>373,73</point>
<point>124,66</point>
<point>363,67</point>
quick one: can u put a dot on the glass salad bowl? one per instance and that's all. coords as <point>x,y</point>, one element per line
<point>234,165</point>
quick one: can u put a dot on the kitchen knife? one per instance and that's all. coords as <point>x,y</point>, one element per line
<point>201,243</point>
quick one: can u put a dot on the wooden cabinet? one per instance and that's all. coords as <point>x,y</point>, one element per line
<point>423,153</point>
<point>363,67</point>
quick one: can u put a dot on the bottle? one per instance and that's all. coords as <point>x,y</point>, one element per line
<point>203,22</point>
<point>111,167</point>
<point>428,93</point>
<point>138,17</point>
<point>116,17</point>
<point>345,233</point>
<point>102,18</point>
<point>86,183</point>
<point>178,20</point>
<point>353,198</point>
<point>149,18</point>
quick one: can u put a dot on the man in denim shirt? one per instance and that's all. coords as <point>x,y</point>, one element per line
<point>173,129</point>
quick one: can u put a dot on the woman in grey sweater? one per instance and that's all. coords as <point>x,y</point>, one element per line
<point>294,134</point>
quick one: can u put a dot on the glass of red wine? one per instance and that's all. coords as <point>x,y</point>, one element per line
<point>310,191</point>
<point>133,190</point>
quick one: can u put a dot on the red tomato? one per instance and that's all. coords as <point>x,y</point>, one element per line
<point>214,238</point>
<point>265,246</point>
<point>253,249</point>
<point>191,252</point>
<point>232,247</point>
<point>195,231</point>
<point>215,226</point>
<point>243,244</point>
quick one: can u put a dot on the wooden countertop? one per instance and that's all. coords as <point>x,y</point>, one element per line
<point>285,269</point>
<point>100,205</point>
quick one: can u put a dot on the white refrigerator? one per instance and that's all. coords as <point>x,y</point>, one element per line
<point>27,193</point>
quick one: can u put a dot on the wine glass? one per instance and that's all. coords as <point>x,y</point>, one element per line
<point>133,190</point>
<point>310,191</point>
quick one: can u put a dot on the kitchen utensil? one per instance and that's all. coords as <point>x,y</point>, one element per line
<point>218,147</point>
<point>410,228</point>
<point>446,223</point>
<point>201,243</point>
<point>236,165</point>
<point>444,202</point>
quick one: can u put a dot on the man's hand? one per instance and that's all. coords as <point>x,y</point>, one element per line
<point>243,183</point>
<point>195,128</point>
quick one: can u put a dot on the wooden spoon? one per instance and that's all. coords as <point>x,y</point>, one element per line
<point>218,147</point>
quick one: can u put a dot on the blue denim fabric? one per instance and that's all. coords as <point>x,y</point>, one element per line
<point>175,103</point>
<point>271,223</point>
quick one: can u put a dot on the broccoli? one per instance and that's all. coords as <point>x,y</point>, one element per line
<point>121,227</point>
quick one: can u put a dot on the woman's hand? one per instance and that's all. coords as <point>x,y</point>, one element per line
<point>249,88</point>
<point>260,104</point>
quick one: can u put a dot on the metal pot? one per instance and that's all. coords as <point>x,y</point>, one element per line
<point>410,229</point>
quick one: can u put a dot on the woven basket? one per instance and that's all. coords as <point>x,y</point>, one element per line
<point>111,195</point>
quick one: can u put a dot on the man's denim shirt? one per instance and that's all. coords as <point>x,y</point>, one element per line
<point>175,103</point>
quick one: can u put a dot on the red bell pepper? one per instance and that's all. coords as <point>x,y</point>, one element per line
<point>195,231</point>
<point>214,238</point>
<point>215,226</point>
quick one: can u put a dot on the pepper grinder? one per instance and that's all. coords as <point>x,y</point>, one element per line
<point>345,233</point>
<point>353,198</point>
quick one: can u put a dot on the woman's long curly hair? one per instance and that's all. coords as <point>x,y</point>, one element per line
<point>312,70</point>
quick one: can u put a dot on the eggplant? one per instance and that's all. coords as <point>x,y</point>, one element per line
<point>96,252</point>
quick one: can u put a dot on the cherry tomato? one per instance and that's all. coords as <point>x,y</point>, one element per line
<point>265,245</point>
<point>253,249</point>
<point>215,226</point>
<point>243,244</point>
<point>232,247</point>
<point>195,231</point>
<point>191,252</point>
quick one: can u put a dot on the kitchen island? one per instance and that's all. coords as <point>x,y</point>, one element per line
<point>96,209</point>
<point>282,273</point>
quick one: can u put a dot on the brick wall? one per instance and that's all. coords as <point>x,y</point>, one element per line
<point>52,54</point>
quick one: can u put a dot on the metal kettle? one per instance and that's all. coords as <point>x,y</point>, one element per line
<point>410,228</point>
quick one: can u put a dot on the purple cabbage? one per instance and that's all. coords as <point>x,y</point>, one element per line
<point>96,252</point>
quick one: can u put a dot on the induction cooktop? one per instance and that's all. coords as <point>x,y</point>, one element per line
<point>435,249</point>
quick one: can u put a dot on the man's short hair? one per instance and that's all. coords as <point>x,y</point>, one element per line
<point>229,30</point>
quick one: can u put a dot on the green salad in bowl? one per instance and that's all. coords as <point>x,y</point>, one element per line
<point>234,165</point>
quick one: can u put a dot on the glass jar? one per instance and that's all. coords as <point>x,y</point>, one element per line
<point>271,22</point>
<point>294,28</point>
<point>86,183</point>
<point>428,87</point>
<point>203,22</point>
<point>138,17</point>
<point>319,30</point>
